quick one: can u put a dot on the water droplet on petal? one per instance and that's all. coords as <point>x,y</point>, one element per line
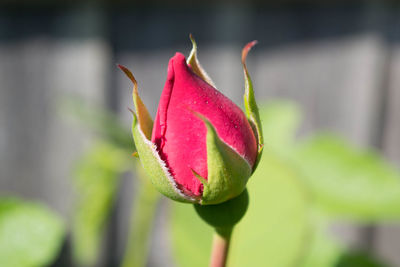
<point>236,126</point>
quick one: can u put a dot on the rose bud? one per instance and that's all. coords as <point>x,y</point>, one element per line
<point>201,148</point>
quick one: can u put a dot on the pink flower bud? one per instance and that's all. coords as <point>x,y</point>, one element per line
<point>180,135</point>
<point>201,148</point>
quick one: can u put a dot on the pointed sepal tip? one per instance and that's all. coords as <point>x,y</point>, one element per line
<point>251,105</point>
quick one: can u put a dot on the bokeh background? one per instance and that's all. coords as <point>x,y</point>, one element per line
<point>339,60</point>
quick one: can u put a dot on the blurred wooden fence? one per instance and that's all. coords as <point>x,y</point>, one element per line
<point>340,62</point>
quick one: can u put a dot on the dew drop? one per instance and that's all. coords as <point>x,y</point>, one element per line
<point>194,102</point>
<point>206,101</point>
<point>236,126</point>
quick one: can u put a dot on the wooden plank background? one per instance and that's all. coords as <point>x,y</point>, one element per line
<point>340,62</point>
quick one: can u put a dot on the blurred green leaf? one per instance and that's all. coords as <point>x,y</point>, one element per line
<point>280,120</point>
<point>358,259</point>
<point>191,237</point>
<point>323,251</point>
<point>348,182</point>
<point>97,177</point>
<point>100,120</point>
<point>276,227</point>
<point>30,234</point>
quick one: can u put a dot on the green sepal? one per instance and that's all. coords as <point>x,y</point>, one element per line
<point>195,64</point>
<point>226,215</point>
<point>250,104</point>
<point>154,166</point>
<point>228,172</point>
<point>145,120</point>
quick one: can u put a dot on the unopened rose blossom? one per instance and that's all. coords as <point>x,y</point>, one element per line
<point>202,148</point>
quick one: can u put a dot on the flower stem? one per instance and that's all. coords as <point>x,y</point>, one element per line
<point>223,217</point>
<point>220,247</point>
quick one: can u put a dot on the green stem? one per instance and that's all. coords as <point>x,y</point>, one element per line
<point>220,247</point>
<point>143,210</point>
<point>223,217</point>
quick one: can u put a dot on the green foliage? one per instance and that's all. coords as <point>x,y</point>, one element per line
<point>276,228</point>
<point>358,259</point>
<point>280,122</point>
<point>348,182</point>
<point>96,177</point>
<point>30,234</point>
<point>322,250</point>
<point>298,190</point>
<point>106,124</point>
<point>190,236</point>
